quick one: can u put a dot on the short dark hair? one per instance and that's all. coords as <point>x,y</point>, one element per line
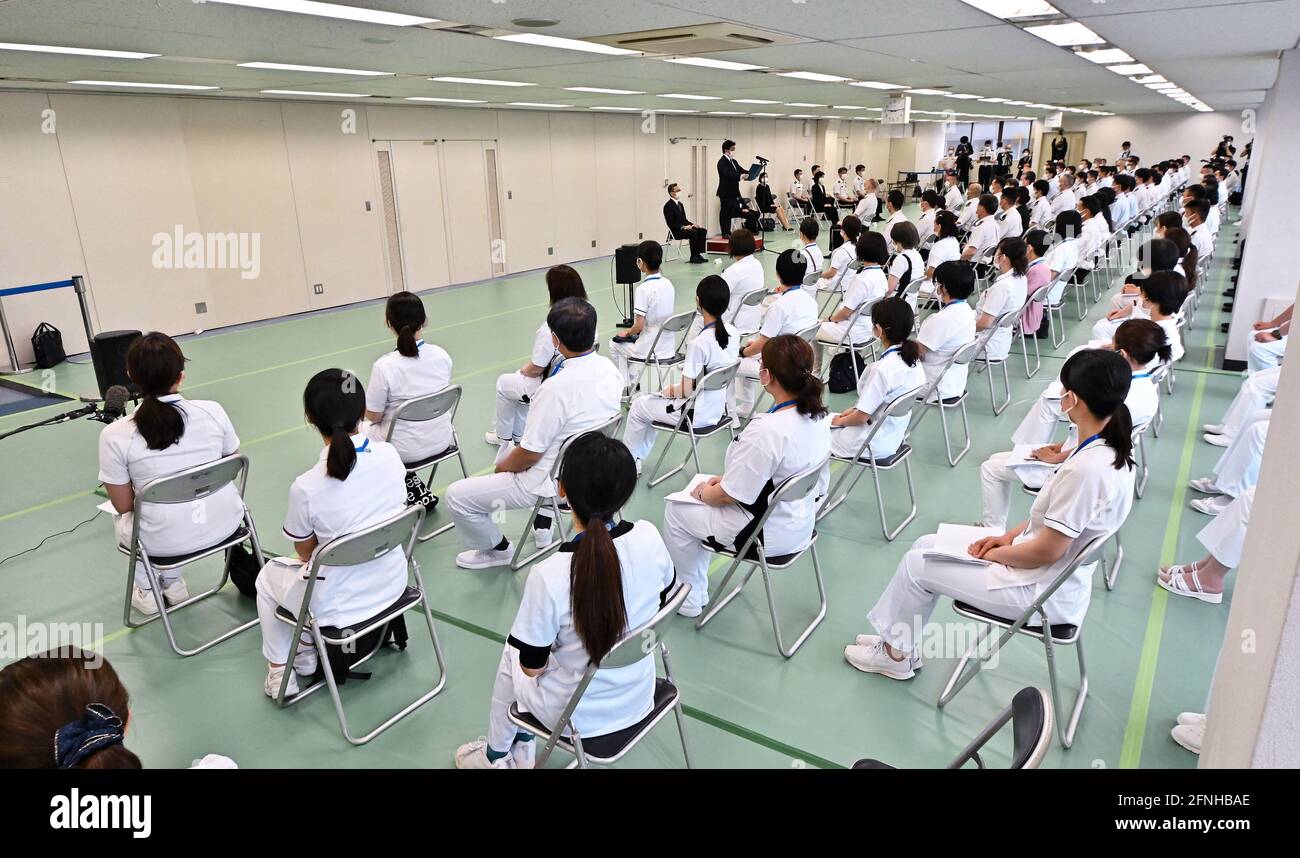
<point>895,198</point>
<point>573,321</point>
<point>651,253</point>
<point>988,202</point>
<point>728,144</point>
<point>932,199</point>
<point>672,187</point>
<point>1042,186</point>
<point>957,279</point>
<point>809,229</point>
<point>741,243</point>
<point>791,268</point>
<point>872,248</point>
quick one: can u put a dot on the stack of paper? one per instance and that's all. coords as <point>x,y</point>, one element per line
<point>684,496</point>
<point>953,541</point>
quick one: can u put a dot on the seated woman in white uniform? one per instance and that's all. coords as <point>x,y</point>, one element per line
<point>165,435</point>
<point>1158,254</point>
<point>834,278</point>
<point>793,436</point>
<point>794,310</point>
<point>415,368</point>
<point>1257,391</point>
<point>718,347</point>
<point>1088,496</point>
<point>515,389</point>
<point>744,275</point>
<point>613,576</point>
<point>1009,291</point>
<point>944,332</point>
<point>898,371</point>
<point>946,248</point>
<point>357,482</point>
<point>1140,342</point>
<point>1223,538</point>
<point>653,302</point>
<point>862,288</point>
<point>907,266</point>
<point>1064,254</point>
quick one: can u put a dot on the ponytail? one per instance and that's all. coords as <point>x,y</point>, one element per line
<point>334,403</point>
<point>895,318</point>
<point>406,343</point>
<point>1143,341</point>
<point>714,296</point>
<point>342,456</point>
<point>789,359</point>
<point>154,364</point>
<point>1017,253</point>
<point>404,313</point>
<point>1118,433</point>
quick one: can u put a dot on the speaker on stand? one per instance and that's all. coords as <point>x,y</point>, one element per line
<point>626,274</point>
<point>108,353</point>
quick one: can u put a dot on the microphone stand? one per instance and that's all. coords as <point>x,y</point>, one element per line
<point>84,411</point>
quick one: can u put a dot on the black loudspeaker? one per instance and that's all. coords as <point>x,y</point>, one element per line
<point>625,270</point>
<point>108,352</point>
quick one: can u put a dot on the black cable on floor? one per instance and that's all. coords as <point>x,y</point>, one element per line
<point>51,536</point>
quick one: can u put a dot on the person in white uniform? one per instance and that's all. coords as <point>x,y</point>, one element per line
<point>584,390</point>
<point>906,271</point>
<point>415,368</point>
<point>1195,213</point>
<point>859,181</point>
<point>514,390</point>
<point>944,332</point>
<point>1089,496</point>
<point>931,204</point>
<point>794,310</point>
<point>1237,469</point>
<point>946,247</point>
<point>1269,344</point>
<point>1008,292</point>
<point>356,483</point>
<point>1158,254</point>
<point>718,347</point>
<point>984,234</point>
<point>744,275</point>
<point>1257,391</point>
<point>1138,341</point>
<point>952,197</point>
<point>1009,223</point>
<point>793,436</point>
<point>898,371</point>
<point>652,304</point>
<point>613,576</point>
<point>1223,539</point>
<point>1065,200</point>
<point>166,434</point>
<point>894,202</point>
<point>969,210</point>
<point>1040,210</point>
<point>865,287</point>
<point>1064,254</point>
<point>812,255</point>
<point>868,204</point>
<point>833,278</point>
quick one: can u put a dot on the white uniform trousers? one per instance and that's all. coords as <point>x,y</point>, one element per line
<point>620,352</point>
<point>511,410</point>
<point>279,585</point>
<point>1224,536</point>
<point>1105,329</point>
<point>1238,467</point>
<point>1256,392</point>
<point>122,526</point>
<point>745,388</point>
<point>1040,424</point>
<point>997,482</point>
<point>512,685</point>
<point>478,504</point>
<point>685,524</point>
<point>639,435</point>
<point>1265,355</point>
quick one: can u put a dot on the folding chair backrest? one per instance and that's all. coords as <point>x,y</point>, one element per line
<point>1089,553</point>
<point>374,541</point>
<point>679,322</point>
<point>900,406</point>
<point>195,483</point>
<point>809,333</point>
<point>1040,294</point>
<point>792,488</point>
<point>641,641</point>
<point>715,379</point>
<point>1031,727</point>
<point>752,298</point>
<point>421,409</point>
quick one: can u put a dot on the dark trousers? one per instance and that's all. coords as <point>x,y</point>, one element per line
<point>696,236</point>
<point>985,174</point>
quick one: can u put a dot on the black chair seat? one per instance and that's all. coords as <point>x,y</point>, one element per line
<point>240,534</point>
<point>610,745</point>
<point>436,457</point>
<point>335,635</point>
<point>950,401</point>
<point>676,358</point>
<point>1061,632</point>
<point>773,561</point>
<point>694,430</point>
<point>872,764</point>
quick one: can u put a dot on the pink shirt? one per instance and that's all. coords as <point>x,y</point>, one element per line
<point>1037,276</point>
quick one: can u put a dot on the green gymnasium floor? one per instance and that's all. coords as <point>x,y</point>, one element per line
<point>1149,656</point>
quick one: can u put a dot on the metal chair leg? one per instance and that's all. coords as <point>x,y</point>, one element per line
<point>771,606</point>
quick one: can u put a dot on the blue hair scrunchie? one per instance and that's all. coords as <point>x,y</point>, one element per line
<point>99,728</point>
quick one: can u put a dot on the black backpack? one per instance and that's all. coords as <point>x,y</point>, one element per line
<point>47,343</point>
<point>845,369</point>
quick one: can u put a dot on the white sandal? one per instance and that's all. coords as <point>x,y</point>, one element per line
<point>1177,584</point>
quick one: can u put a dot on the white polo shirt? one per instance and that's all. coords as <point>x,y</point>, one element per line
<point>394,379</point>
<point>943,333</point>
<point>841,258</point>
<point>813,254</point>
<point>1063,256</point>
<point>952,199</point>
<point>170,529</point>
<point>743,276</point>
<point>944,250</point>
<point>581,393</point>
<point>925,224</point>
<point>774,446</point>
<point>326,508</point>
<point>983,236</point>
<point>703,356</point>
<point>867,208</point>
<point>1008,292</point>
<point>1041,212</point>
<point>1065,201</point>
<point>866,287</point>
<point>654,299</point>
<point>616,698</point>
<point>884,381</point>
<point>793,310</point>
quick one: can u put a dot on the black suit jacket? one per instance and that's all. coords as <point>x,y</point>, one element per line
<point>675,215</point>
<point>729,173</point>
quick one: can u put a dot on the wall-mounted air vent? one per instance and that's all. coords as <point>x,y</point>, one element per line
<point>697,39</point>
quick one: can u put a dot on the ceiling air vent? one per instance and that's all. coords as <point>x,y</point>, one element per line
<point>697,39</point>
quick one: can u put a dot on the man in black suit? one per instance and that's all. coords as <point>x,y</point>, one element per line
<point>729,173</point>
<point>680,227</point>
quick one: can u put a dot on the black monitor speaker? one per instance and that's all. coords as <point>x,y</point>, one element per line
<point>108,353</point>
<point>625,270</point>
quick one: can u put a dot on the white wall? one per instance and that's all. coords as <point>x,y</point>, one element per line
<point>89,198</point>
<point>1156,136</point>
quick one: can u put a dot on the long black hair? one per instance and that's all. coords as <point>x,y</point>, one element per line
<point>1016,252</point>
<point>405,314</point>
<point>154,364</point>
<point>789,360</point>
<point>714,296</point>
<point>1143,340</point>
<point>1189,256</point>
<point>334,403</point>
<point>598,475</point>
<point>1100,379</point>
<point>895,318</point>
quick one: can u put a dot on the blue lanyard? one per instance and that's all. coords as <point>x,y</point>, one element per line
<point>560,364</point>
<point>1037,262</point>
<point>706,327</point>
<point>609,525</point>
<point>781,405</point>
<point>889,351</point>
<point>1138,375</point>
<point>653,277</point>
<point>951,304</point>
<point>365,446</point>
<point>1084,444</point>
<point>419,343</point>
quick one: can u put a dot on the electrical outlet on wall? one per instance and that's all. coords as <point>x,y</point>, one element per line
<point>201,307</point>
<point>318,288</point>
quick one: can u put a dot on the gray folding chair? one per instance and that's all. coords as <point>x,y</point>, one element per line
<point>1040,296</point>
<point>808,335</point>
<point>672,326</point>
<point>190,486</point>
<point>1005,321</point>
<point>755,556</point>
<point>837,290</point>
<point>900,406</point>
<point>422,409</point>
<point>962,357</point>
<point>1056,311</point>
<point>1060,634</point>
<point>675,245</point>
<point>985,271</point>
<point>610,429</point>
<point>842,343</point>
<point>395,533</point>
<point>717,379</point>
<point>753,298</point>
<point>611,747</point>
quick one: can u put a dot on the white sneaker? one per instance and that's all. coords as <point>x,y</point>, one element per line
<point>1211,505</point>
<point>524,754</point>
<point>1217,440</point>
<point>176,592</point>
<point>306,660</point>
<point>865,640</point>
<point>483,558</point>
<point>473,755</point>
<point>638,467</point>
<point>1190,736</point>
<point>1204,485</point>
<point>143,601</point>
<point>274,676</point>
<point>493,439</point>
<point>1213,428</point>
<point>690,611</point>
<point>873,658</point>
<point>543,538</point>
<point>1191,718</point>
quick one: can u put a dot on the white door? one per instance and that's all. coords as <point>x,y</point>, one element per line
<point>421,227</point>
<point>468,209</point>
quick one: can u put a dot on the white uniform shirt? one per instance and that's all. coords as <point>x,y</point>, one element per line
<point>1093,237</point>
<point>867,208</point>
<point>859,185</point>
<point>900,266</point>
<point>968,214</point>
<point>618,697</point>
<point>794,310</point>
<point>841,258</point>
<point>840,188</point>
<point>796,189</point>
<point>944,250</point>
<point>1065,201</point>
<point>1063,256</point>
<point>654,299</point>
<point>1172,334</point>
<point>1011,225</point>
<point>894,219</point>
<point>1040,214</point>
<point>394,379</point>
<point>1008,292</point>
<point>925,224</point>
<point>952,199</point>
<point>703,356</point>
<point>583,392</point>
<point>544,351</point>
<point>943,333</point>
<point>171,529</point>
<point>326,508</point>
<point>867,286</point>
<point>743,276</point>
<point>1212,219</point>
<point>775,446</point>
<point>1200,238</point>
<point>983,236</point>
<point>884,381</point>
<point>813,254</point>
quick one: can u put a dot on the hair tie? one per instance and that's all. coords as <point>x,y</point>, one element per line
<point>76,740</point>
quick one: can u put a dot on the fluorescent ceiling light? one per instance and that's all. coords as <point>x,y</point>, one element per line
<point>963,95</point>
<point>536,104</point>
<point>333,10</point>
<point>726,113</point>
<point>603,91</point>
<point>689,97</point>
<point>767,114</point>
<point>803,116</point>
<point>707,63</point>
<point>1008,9</point>
<point>320,69</point>
<point>672,110</point>
<point>802,104</point>
<point>481,81</point>
<point>1105,55</point>
<point>568,44</point>
<point>308,92</point>
<point>817,76</point>
<point>1018,103</point>
<point>875,84</point>
<point>1066,35</point>
<point>140,85</point>
<point>1134,68</point>
<point>928,91</point>
<point>994,100</point>
<point>1162,86</point>
<point>847,107</point>
<point>753,101</point>
<point>82,52</point>
<point>1151,78</point>
<point>445,100</point>
<point>631,109</point>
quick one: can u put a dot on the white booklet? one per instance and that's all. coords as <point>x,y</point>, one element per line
<point>684,496</point>
<point>1020,458</point>
<point>952,542</point>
